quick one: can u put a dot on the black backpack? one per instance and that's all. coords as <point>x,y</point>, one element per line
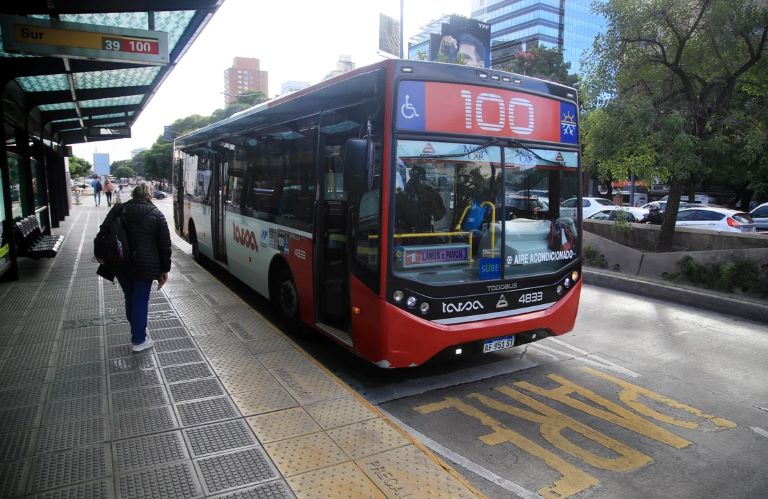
<point>112,246</point>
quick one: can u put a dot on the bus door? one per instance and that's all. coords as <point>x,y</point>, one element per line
<point>331,251</point>
<point>218,203</point>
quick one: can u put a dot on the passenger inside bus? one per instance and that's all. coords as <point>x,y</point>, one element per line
<point>420,202</point>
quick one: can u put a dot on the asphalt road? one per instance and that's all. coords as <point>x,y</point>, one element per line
<point>643,399</point>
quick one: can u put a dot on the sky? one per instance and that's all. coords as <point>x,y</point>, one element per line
<point>294,40</point>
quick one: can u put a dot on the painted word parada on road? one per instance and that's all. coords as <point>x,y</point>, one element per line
<point>554,424</point>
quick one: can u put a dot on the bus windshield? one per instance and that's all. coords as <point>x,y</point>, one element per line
<point>467,213</point>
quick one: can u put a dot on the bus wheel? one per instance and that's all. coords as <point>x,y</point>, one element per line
<point>285,301</point>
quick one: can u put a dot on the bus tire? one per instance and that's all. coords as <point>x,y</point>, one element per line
<point>285,301</point>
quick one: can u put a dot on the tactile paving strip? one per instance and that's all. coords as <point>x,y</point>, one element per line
<point>305,453</point>
<point>79,357</point>
<point>131,363</point>
<point>163,323</point>
<point>257,378</point>
<point>342,480</point>
<point>174,344</point>
<point>235,469</point>
<point>27,362</point>
<point>81,344</point>
<point>414,474</point>
<point>149,451</point>
<point>264,400</point>
<point>17,397</point>
<point>269,344</point>
<point>66,411</point>
<point>152,420</point>
<point>219,437</point>
<point>175,480</point>
<point>129,400</point>
<point>340,412</point>
<point>284,424</point>
<point>103,489</point>
<point>179,357</point>
<point>277,489</point>
<point>63,468</point>
<point>206,411</point>
<point>134,379</point>
<point>225,350</point>
<point>12,478</point>
<point>187,372</point>
<point>307,383</point>
<point>214,328</point>
<point>199,389</point>
<point>16,445</point>
<point>19,418</point>
<point>359,440</point>
<point>167,334</point>
<point>77,371</point>
<point>72,434</point>
<point>76,388</point>
<point>224,365</point>
<point>18,379</point>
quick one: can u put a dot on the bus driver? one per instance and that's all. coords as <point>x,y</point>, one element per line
<point>419,204</point>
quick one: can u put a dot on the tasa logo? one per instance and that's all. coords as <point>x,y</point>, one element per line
<point>452,308</point>
<point>245,237</point>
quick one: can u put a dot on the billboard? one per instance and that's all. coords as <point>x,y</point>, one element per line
<point>462,41</point>
<point>101,163</point>
<point>389,35</point>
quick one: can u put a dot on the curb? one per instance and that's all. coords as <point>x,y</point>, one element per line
<point>745,308</point>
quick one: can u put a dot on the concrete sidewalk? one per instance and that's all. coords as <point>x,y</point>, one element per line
<point>224,405</point>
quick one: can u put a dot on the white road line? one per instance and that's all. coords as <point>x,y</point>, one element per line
<point>588,358</point>
<point>759,431</point>
<point>466,463</point>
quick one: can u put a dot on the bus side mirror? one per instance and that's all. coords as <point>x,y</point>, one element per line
<point>358,165</point>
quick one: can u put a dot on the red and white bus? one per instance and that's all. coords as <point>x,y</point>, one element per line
<point>404,209</point>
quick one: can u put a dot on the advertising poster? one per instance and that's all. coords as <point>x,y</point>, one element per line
<point>462,41</point>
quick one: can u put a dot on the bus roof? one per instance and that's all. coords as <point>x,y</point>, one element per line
<point>358,85</point>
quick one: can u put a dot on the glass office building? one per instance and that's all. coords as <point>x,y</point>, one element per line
<point>522,24</point>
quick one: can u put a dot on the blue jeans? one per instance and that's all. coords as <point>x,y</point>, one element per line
<point>97,197</point>
<point>136,293</point>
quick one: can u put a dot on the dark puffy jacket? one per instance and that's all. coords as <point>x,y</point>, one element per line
<point>150,240</point>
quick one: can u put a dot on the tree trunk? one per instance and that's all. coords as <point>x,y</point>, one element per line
<point>667,233</point>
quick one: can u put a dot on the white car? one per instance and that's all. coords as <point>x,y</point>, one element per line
<point>760,216</point>
<point>589,206</point>
<point>711,218</point>
<point>642,211</point>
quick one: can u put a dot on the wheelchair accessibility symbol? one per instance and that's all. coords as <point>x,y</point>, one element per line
<point>408,110</point>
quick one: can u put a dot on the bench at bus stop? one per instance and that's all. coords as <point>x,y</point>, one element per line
<point>32,243</point>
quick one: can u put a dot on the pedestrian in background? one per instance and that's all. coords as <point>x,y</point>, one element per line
<point>109,187</point>
<point>151,246</point>
<point>96,185</point>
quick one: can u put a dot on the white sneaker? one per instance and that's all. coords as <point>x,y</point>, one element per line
<point>146,344</point>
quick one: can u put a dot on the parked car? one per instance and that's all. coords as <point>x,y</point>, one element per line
<point>712,218</point>
<point>642,211</point>
<point>760,215</point>
<point>589,206</point>
<point>614,215</point>
<point>160,195</point>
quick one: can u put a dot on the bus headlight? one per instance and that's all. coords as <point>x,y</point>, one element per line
<point>567,282</point>
<point>411,301</point>
<point>398,296</point>
<point>424,308</point>
<point>559,289</point>
<point>575,275</point>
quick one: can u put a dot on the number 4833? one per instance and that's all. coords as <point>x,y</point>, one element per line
<point>531,297</point>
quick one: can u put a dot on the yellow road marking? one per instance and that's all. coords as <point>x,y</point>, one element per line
<point>614,413</point>
<point>630,393</point>
<point>573,479</point>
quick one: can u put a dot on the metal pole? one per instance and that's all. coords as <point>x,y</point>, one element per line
<point>402,42</point>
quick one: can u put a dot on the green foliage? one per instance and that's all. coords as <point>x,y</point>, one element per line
<point>78,167</point>
<point>124,172</point>
<point>593,258</point>
<point>545,63</point>
<point>742,275</point>
<point>682,88</point>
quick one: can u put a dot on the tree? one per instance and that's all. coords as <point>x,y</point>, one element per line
<point>545,63</point>
<point>244,101</point>
<point>120,163</point>
<point>78,167</point>
<point>677,65</point>
<point>124,172</point>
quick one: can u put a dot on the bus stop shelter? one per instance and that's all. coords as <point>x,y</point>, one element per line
<point>74,72</point>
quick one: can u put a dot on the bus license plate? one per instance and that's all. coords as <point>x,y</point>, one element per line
<point>497,344</point>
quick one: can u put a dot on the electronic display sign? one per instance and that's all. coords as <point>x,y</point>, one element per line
<point>85,41</point>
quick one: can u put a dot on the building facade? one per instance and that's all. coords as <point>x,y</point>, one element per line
<point>524,24</point>
<point>244,76</point>
<point>344,65</point>
<point>292,86</point>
